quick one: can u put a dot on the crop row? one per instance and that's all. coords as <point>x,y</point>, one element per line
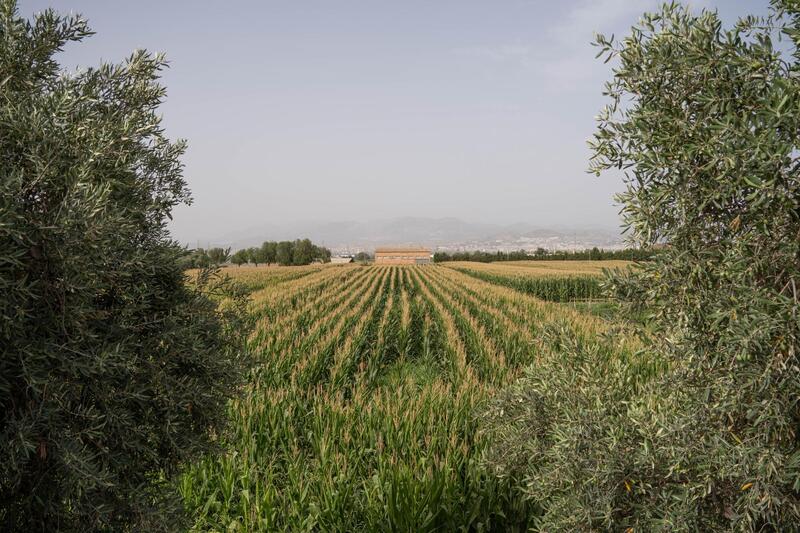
<point>550,288</point>
<point>360,413</point>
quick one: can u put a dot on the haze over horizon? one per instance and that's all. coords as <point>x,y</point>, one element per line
<point>320,111</point>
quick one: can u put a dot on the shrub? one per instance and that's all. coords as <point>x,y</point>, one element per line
<point>706,122</point>
<point>114,370</point>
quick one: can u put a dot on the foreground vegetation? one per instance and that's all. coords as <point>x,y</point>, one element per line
<point>114,371</point>
<point>361,413</point>
<point>706,121</point>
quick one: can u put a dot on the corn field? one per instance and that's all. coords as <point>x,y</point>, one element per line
<point>559,281</point>
<point>256,278</point>
<point>547,268</point>
<point>361,412</point>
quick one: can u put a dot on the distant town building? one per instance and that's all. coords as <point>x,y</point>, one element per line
<point>402,256</point>
<point>341,260</point>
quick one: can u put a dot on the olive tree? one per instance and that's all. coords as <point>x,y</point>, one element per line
<point>255,255</point>
<point>219,256</point>
<point>268,250</point>
<point>115,369</point>
<point>302,252</point>
<point>706,123</point>
<point>283,253</point>
<point>699,432</point>
<point>239,258</point>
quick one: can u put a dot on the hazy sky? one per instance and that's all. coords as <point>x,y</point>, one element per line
<point>339,110</point>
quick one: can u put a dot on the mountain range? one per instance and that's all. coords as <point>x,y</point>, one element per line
<point>439,233</point>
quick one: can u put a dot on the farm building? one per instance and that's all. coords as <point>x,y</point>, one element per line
<point>402,256</point>
<point>341,260</point>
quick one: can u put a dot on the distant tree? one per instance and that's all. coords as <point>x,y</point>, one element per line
<point>269,252</point>
<point>364,257</point>
<point>322,254</point>
<point>218,256</point>
<point>197,258</point>
<point>254,255</point>
<point>260,254</point>
<point>630,254</point>
<point>239,258</point>
<point>302,252</point>
<point>284,253</point>
<point>116,369</point>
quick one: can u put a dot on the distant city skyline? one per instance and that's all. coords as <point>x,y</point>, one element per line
<point>331,111</point>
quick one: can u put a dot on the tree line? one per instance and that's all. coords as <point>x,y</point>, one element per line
<point>285,253</point>
<point>541,254</point>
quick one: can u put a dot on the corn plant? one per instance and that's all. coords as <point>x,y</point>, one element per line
<point>361,412</point>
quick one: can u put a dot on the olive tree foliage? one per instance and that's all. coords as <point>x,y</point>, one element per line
<point>699,432</point>
<point>115,368</point>
<point>219,256</point>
